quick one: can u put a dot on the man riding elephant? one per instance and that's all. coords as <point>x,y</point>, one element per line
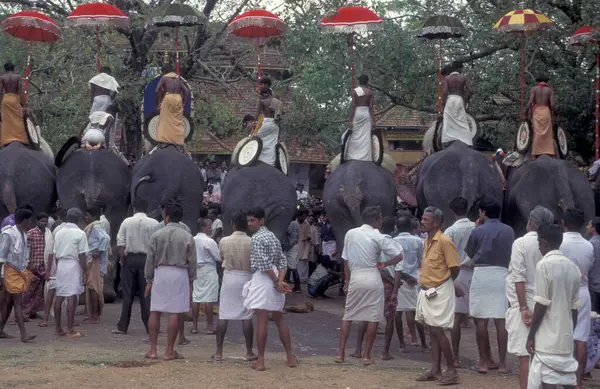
<point>272,110</point>
<point>171,95</point>
<point>542,109</point>
<point>99,128</point>
<point>456,96</point>
<point>13,127</point>
<point>103,89</point>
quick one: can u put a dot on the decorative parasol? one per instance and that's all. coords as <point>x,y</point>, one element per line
<point>522,21</point>
<point>440,27</point>
<point>31,26</point>
<point>176,15</point>
<point>588,35</point>
<point>352,20</point>
<point>256,24</point>
<point>96,15</point>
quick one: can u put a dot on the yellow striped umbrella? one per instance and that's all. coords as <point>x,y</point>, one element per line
<point>523,21</point>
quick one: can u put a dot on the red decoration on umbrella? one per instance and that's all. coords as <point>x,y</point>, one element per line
<point>588,35</point>
<point>31,26</point>
<point>350,20</point>
<point>257,23</point>
<point>97,14</point>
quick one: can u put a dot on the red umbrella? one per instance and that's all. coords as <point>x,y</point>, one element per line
<point>31,26</point>
<point>257,24</point>
<point>587,35</point>
<point>350,20</point>
<point>97,14</point>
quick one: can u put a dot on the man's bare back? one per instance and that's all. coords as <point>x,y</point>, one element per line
<point>457,84</point>
<point>265,107</point>
<point>363,101</point>
<point>172,86</point>
<point>542,95</point>
<point>10,83</point>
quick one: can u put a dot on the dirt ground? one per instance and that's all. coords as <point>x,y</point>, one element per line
<point>103,360</point>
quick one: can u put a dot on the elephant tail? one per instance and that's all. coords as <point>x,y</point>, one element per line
<point>9,198</point>
<point>135,187</point>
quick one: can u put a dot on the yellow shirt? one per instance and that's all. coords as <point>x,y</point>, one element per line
<point>439,256</point>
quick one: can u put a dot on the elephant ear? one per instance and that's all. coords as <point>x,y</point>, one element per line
<point>71,145</point>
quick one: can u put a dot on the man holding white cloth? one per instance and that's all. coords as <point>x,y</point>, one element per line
<point>363,283</point>
<point>206,284</point>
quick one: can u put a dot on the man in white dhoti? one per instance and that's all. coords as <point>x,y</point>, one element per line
<point>489,247</point>
<point>460,232</point>
<point>206,284</point>
<point>70,254</point>
<point>556,297</point>
<point>103,89</point>
<point>272,109</point>
<point>581,252</point>
<point>363,284</point>
<point>436,301</point>
<point>235,253</point>
<point>264,293</point>
<point>520,287</point>
<point>358,144</point>
<point>456,95</point>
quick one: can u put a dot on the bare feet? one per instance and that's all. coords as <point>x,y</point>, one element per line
<point>183,342</point>
<point>339,359</point>
<point>44,323</point>
<point>293,361</point>
<point>151,355</point>
<point>28,339</point>
<point>356,354</point>
<point>60,332</point>
<point>173,357</point>
<point>387,357</point>
<point>367,362</point>
<point>92,321</point>
<point>258,366</point>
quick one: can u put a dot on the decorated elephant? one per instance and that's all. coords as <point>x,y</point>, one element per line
<point>168,170</point>
<point>457,170</point>
<point>27,176</point>
<point>350,188</point>
<point>553,183</point>
<point>260,185</point>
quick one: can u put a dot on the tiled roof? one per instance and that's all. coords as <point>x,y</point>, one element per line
<point>403,117</point>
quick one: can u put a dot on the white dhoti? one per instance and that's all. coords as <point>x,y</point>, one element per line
<point>365,300</point>
<point>100,103</point>
<point>517,330</point>
<point>231,302</point>
<point>582,329</point>
<point>69,278</point>
<point>463,281</point>
<point>170,290</point>
<point>437,311</point>
<point>260,293</point>
<point>206,285</point>
<point>292,257</point>
<point>456,125</point>
<point>552,370</point>
<point>487,295</point>
<point>269,134</point>
<point>358,145</point>
<point>407,297</point>
<point>94,136</point>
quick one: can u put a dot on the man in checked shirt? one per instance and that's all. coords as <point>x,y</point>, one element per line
<point>264,293</point>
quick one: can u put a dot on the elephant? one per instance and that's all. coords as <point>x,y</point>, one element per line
<point>168,171</point>
<point>457,170</point>
<point>264,186</point>
<point>552,183</point>
<point>87,176</point>
<point>27,176</point>
<point>353,186</point>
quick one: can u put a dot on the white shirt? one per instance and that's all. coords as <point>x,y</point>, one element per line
<point>364,245</point>
<point>302,195</point>
<point>460,232</point>
<point>216,224</point>
<point>135,233</point>
<point>105,224</point>
<point>581,252</point>
<point>556,287</point>
<point>523,259</point>
<point>412,254</point>
<point>69,242</point>
<point>207,250</point>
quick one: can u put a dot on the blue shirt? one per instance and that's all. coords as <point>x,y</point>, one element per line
<point>327,233</point>
<point>99,240</point>
<point>491,244</point>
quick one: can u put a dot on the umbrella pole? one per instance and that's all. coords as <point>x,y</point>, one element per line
<point>177,66</point>
<point>597,102</point>
<point>440,79</point>
<point>522,74</point>
<point>258,63</point>
<point>27,73</point>
<point>351,43</point>
<point>98,49</point>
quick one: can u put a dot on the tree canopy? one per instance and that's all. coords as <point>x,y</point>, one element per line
<point>402,68</point>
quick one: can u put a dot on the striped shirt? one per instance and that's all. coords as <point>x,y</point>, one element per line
<point>235,251</point>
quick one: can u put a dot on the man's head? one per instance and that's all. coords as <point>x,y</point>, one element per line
<point>255,218</point>
<point>167,68</point>
<point>301,215</point>
<point>74,215</point>
<point>248,122</point>
<point>213,164</point>
<point>363,79</point>
<point>173,212</point>
<point>489,209</point>
<point>550,237</point>
<point>372,216</point>
<point>416,227</point>
<point>106,69</point>
<point>457,67</point>
<point>42,220</point>
<point>265,82</point>
<point>573,220</point>
<point>205,226</point>
<point>239,221</point>
<point>140,205</point>
<point>300,187</point>
<point>542,78</point>
<point>9,67</point>
<point>266,92</point>
<point>432,220</point>
<point>213,213</point>
<point>404,224</point>
<point>210,188</point>
<point>538,217</point>
<point>324,219</point>
<point>593,227</point>
<point>459,206</point>
<point>23,218</point>
<point>388,224</point>
<point>93,213</point>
